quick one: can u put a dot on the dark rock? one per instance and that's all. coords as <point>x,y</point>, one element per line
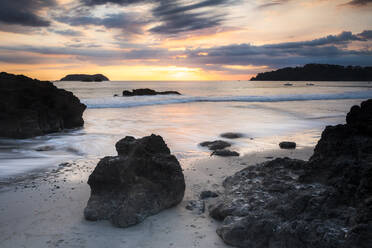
<point>287,145</point>
<point>225,153</point>
<point>292,203</point>
<point>215,145</point>
<point>85,78</point>
<point>232,135</point>
<point>29,107</point>
<point>197,206</point>
<point>208,194</point>
<point>45,148</point>
<point>148,92</point>
<point>142,180</point>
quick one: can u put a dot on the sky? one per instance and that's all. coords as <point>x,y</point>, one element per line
<point>180,39</point>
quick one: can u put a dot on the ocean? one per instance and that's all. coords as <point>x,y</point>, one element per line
<point>265,112</point>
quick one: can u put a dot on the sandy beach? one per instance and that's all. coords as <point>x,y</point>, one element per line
<point>46,210</point>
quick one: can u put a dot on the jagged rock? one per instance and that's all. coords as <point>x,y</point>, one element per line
<point>196,206</point>
<point>208,194</point>
<point>142,180</point>
<point>29,107</point>
<point>287,145</point>
<point>225,153</point>
<point>148,92</point>
<point>325,202</point>
<point>85,78</point>
<point>232,135</point>
<point>215,145</point>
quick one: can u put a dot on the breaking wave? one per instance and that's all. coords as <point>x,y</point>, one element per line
<point>137,101</point>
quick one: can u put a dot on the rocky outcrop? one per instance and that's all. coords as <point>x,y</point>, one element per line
<point>85,78</point>
<point>317,72</point>
<point>29,107</point>
<point>142,180</point>
<point>148,92</point>
<point>325,202</point>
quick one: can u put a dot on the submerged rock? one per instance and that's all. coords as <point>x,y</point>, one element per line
<point>142,180</point>
<point>85,78</point>
<point>232,135</point>
<point>148,92</point>
<point>325,202</point>
<point>29,107</point>
<point>215,145</point>
<point>225,153</point>
<point>287,145</point>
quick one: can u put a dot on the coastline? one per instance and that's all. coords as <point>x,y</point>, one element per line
<point>47,211</point>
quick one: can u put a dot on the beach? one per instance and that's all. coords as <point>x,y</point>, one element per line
<point>43,180</point>
<point>47,210</point>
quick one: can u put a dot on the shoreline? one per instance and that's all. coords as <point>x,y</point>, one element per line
<point>47,211</point>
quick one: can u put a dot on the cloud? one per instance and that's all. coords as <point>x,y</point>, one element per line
<point>359,2</point>
<point>66,32</point>
<point>331,49</point>
<point>269,4</point>
<point>24,12</point>
<point>176,16</point>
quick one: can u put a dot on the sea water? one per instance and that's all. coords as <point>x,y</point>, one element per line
<point>265,112</point>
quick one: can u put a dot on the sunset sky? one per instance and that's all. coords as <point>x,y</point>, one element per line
<point>180,39</point>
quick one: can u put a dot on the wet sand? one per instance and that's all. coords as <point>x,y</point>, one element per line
<point>46,210</point>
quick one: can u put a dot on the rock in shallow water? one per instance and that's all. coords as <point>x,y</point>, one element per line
<point>142,180</point>
<point>231,135</point>
<point>29,107</point>
<point>225,153</point>
<point>215,145</point>
<point>287,145</point>
<point>293,203</point>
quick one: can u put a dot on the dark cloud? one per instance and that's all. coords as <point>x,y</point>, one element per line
<point>366,34</point>
<point>176,16</point>
<point>360,2</point>
<point>66,32</point>
<point>128,22</point>
<point>24,12</point>
<point>269,4</point>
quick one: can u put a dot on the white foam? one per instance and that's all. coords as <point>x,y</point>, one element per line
<point>137,101</point>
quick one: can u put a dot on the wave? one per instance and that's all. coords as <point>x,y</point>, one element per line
<point>138,101</point>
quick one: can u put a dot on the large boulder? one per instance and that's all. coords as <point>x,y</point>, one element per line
<point>141,181</point>
<point>85,78</point>
<point>29,107</point>
<point>324,202</point>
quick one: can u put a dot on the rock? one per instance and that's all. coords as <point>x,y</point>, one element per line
<point>323,202</point>
<point>225,153</point>
<point>29,107</point>
<point>208,194</point>
<point>287,145</point>
<point>197,206</point>
<point>232,135</point>
<point>142,180</point>
<point>85,78</point>
<point>215,145</point>
<point>45,148</point>
<point>148,92</point>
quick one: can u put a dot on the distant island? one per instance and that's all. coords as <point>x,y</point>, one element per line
<point>317,72</point>
<point>85,78</point>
